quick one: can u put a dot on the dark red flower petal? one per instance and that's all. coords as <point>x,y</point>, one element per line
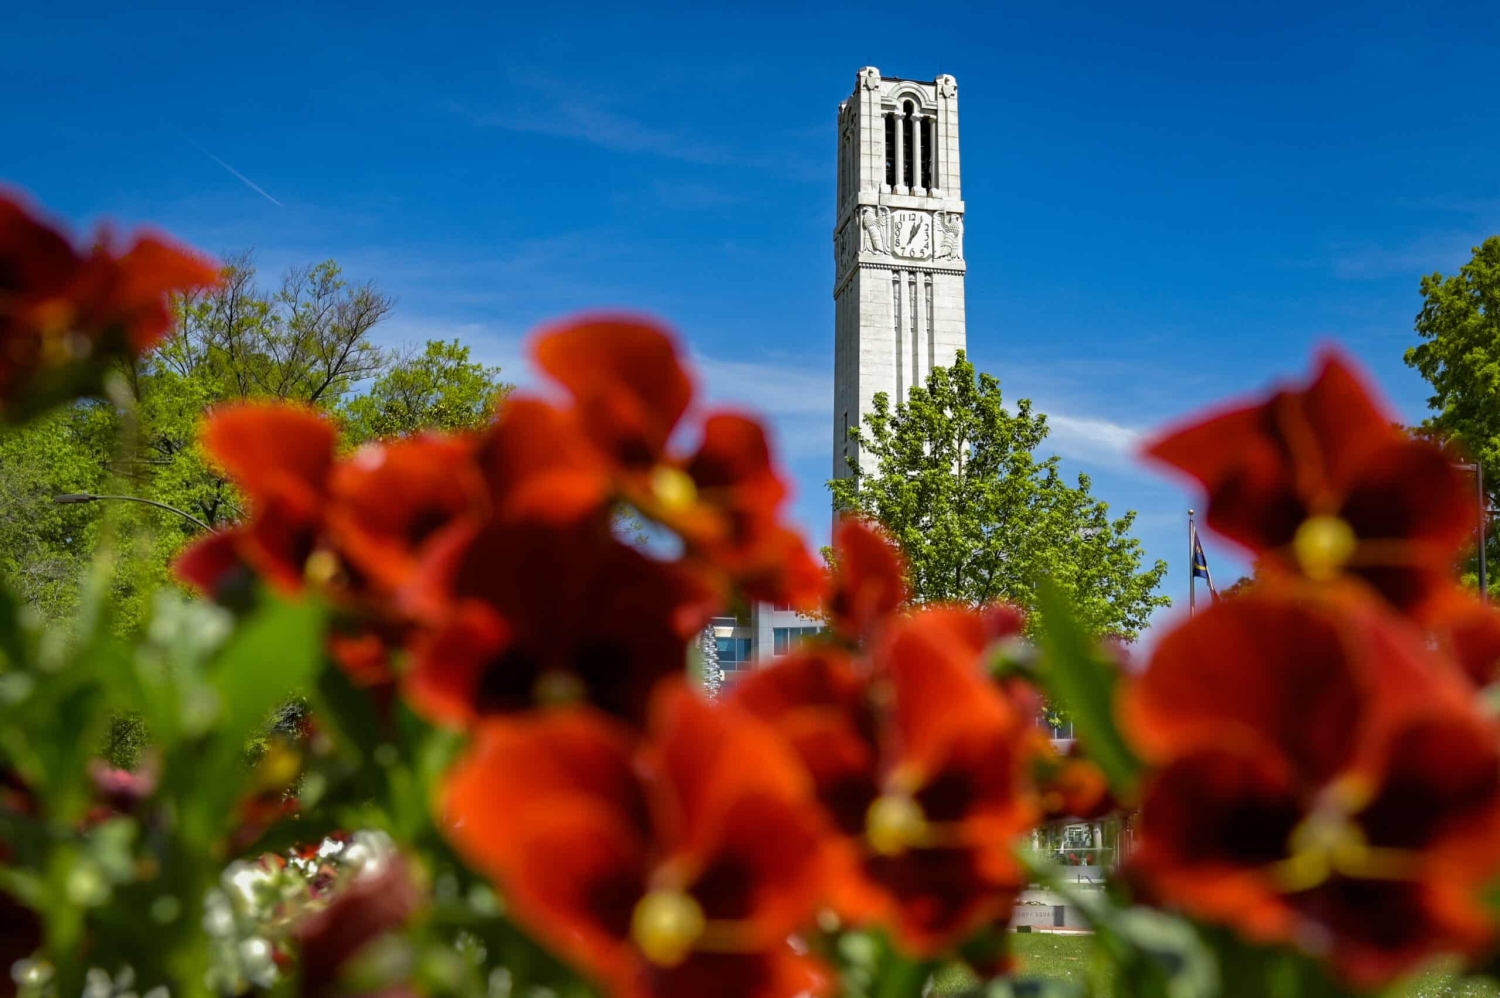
<point>869,585</point>
<point>521,764</point>
<point>1468,631</point>
<point>776,974</point>
<point>130,292</point>
<point>1253,667</point>
<point>1212,822</point>
<point>275,450</point>
<point>539,465</point>
<point>388,500</point>
<point>370,907</point>
<point>20,934</point>
<point>626,379</point>
<point>212,562</point>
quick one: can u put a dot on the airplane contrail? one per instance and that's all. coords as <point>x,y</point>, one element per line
<point>243,179</point>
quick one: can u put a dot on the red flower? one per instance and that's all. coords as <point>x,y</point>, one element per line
<point>1469,633</point>
<point>680,869</point>
<point>539,466</point>
<point>280,455</point>
<point>64,316</point>
<point>356,525</point>
<point>1319,779</point>
<point>1072,787</point>
<point>870,583</point>
<point>550,615</point>
<point>630,393</point>
<point>389,499</point>
<point>1320,481</point>
<point>375,904</point>
<point>20,937</point>
<point>627,382</point>
<point>921,764</point>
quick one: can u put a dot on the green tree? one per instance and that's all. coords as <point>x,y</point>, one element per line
<point>953,476</point>
<point>45,547</point>
<point>308,340</point>
<point>440,388</point>
<point>1459,355</point>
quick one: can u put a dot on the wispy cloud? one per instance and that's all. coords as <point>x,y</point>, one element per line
<point>1089,439</point>
<point>1421,255</point>
<point>794,393</point>
<point>242,178</point>
<point>560,111</point>
<point>563,111</point>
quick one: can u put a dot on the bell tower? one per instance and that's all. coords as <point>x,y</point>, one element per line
<point>898,245</point>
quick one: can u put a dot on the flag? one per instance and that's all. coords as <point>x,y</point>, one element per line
<point>1200,565</point>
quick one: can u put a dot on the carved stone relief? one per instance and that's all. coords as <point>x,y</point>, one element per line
<point>873,223</point>
<point>869,78</point>
<point>846,246</point>
<point>947,86</point>
<point>950,238</point>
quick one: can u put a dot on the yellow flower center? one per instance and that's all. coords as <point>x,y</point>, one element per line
<point>665,925</point>
<point>673,487</point>
<point>557,688</point>
<point>1322,545</point>
<point>322,567</point>
<point>894,824</point>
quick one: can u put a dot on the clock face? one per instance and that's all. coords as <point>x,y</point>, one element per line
<point>913,234</point>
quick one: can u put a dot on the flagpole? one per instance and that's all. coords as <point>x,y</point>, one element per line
<point>1192,568</point>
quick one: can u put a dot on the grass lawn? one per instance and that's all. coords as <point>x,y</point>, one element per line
<point>1068,958</point>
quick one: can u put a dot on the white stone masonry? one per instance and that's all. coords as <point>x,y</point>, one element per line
<point>898,243</point>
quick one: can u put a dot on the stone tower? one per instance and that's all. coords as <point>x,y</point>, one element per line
<point>898,243</point>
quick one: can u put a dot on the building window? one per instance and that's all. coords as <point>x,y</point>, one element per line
<point>890,150</point>
<point>783,638</point>
<point>927,153</point>
<point>734,653</point>
<point>907,137</point>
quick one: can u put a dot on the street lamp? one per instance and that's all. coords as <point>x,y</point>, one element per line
<point>1484,591</point>
<point>71,498</point>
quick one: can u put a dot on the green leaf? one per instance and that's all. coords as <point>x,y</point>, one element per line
<point>1078,676</point>
<point>275,653</point>
<point>1026,987</point>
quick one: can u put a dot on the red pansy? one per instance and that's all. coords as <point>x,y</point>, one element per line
<point>280,455</point>
<point>630,392</point>
<point>387,500</point>
<point>922,765</point>
<point>1319,480</point>
<point>64,315</point>
<point>549,615</point>
<point>677,869</point>
<point>1319,779</point>
<point>1468,631</point>
<point>375,904</point>
<point>870,583</point>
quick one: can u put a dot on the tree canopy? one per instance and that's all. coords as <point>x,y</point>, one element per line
<point>1459,355</point>
<point>440,388</point>
<point>953,475</point>
<point>308,340</point>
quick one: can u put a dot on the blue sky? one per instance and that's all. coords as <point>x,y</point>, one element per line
<point>1166,203</point>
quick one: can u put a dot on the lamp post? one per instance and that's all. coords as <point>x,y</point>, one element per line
<point>1484,588</point>
<point>71,498</point>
